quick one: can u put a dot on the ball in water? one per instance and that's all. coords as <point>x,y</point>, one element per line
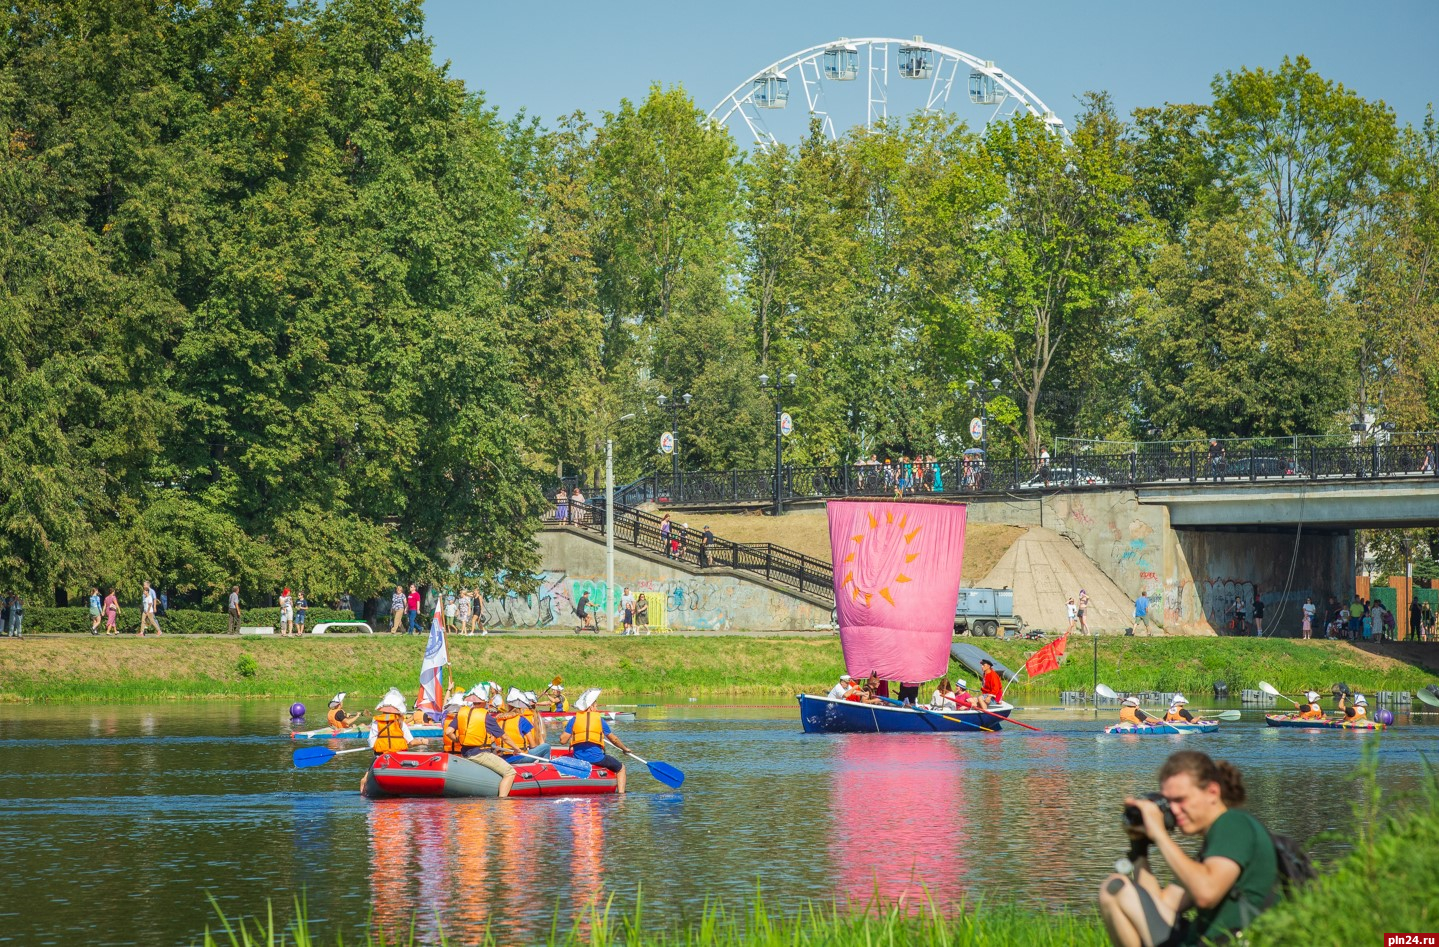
<point>1384,716</point>
<point>297,709</point>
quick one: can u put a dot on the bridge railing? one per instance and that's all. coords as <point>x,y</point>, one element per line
<point>642,530</point>
<point>1017,473</point>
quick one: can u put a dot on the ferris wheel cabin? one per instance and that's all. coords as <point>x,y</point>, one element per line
<point>841,62</point>
<point>771,91</point>
<point>916,61</point>
<point>983,90</point>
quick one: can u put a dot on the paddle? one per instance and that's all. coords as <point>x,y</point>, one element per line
<point>944,716</point>
<point>1272,691</point>
<point>1109,694</point>
<point>1427,696</point>
<point>664,772</point>
<point>566,765</point>
<point>1017,723</point>
<point>307,756</point>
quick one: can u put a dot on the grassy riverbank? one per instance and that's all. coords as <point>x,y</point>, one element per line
<point>64,668</point>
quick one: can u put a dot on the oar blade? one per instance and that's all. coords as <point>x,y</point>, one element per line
<point>666,774</point>
<point>1427,696</point>
<point>1227,715</point>
<point>1105,691</point>
<point>569,766</point>
<point>307,756</point>
<point>1269,689</point>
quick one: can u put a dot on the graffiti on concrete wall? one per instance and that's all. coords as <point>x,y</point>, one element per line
<point>1218,598</point>
<point>684,603</point>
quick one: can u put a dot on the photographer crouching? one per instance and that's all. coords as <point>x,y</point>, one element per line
<point>1226,887</point>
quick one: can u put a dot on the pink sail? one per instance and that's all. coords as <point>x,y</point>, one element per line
<point>896,581</point>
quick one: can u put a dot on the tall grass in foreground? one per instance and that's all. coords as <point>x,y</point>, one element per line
<point>1389,882</point>
<point>813,926</point>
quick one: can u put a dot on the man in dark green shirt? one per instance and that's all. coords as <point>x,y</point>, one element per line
<point>1226,887</point>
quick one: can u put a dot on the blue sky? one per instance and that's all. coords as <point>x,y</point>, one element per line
<point>552,58</point>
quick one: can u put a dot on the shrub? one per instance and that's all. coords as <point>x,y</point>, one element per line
<point>179,621</point>
<point>247,665</point>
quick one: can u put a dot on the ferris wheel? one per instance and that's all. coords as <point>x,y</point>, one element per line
<point>820,72</point>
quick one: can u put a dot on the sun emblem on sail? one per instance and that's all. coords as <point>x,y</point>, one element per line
<point>878,557</point>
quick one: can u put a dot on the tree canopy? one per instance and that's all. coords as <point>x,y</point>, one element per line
<point>281,301</point>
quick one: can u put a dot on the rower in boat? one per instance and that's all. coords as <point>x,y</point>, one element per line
<point>520,724</point>
<point>842,689</point>
<point>1310,709</point>
<point>587,732</point>
<point>1131,715</point>
<point>944,697</point>
<point>554,695</point>
<point>449,739</point>
<point>389,733</point>
<point>991,689</point>
<point>539,738</point>
<point>478,736</point>
<point>337,717</point>
<point>1356,712</point>
<point>1177,712</point>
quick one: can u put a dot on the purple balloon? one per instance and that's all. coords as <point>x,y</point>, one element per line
<point>1384,716</point>
<point>297,709</point>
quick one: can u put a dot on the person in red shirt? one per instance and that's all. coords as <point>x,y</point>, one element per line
<point>992,690</point>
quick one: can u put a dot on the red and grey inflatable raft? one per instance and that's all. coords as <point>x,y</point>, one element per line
<point>444,774</point>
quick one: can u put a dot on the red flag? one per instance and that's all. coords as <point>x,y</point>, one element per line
<point>1046,659</point>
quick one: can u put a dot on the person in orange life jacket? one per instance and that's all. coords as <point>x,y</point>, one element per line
<point>991,690</point>
<point>479,737</point>
<point>449,740</point>
<point>1130,713</point>
<point>1356,712</point>
<point>1310,709</point>
<point>520,732</point>
<point>337,717</point>
<point>1177,711</point>
<point>388,731</point>
<point>539,738</point>
<point>587,732</point>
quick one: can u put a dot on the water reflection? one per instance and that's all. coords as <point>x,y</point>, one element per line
<point>900,829</point>
<point>469,864</point>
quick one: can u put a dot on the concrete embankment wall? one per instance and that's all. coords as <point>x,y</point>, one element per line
<point>573,563</point>
<point>1192,575</point>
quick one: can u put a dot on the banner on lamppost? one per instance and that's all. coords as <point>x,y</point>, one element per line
<point>976,428</point>
<point>667,442</point>
<point>786,424</point>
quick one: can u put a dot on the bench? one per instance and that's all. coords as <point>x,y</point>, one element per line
<point>352,626</point>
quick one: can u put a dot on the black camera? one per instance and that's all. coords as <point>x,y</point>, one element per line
<point>1133,817</point>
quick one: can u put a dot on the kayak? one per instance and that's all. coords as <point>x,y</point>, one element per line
<point>430,730</point>
<point>1164,729</point>
<point>831,715</point>
<point>445,774</point>
<point>1328,723</point>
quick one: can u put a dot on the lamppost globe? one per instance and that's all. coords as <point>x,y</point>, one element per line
<point>791,378</point>
<point>686,398</point>
<point>994,383</point>
<point>764,381</point>
<point>970,384</point>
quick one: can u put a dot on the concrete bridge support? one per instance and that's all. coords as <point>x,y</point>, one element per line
<point>1191,573</point>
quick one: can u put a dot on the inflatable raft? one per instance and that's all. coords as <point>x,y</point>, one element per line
<point>444,774</point>
<point>1163,729</point>
<point>1329,723</point>
<point>829,715</point>
<point>432,730</point>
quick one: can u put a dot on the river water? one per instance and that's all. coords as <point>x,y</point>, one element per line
<point>120,822</point>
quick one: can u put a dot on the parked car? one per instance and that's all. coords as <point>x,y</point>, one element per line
<point>1063,477</point>
<point>1263,467</point>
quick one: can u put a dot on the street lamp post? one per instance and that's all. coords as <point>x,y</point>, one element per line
<point>670,404</point>
<point>610,530</point>
<point>975,388</point>
<point>778,386</point>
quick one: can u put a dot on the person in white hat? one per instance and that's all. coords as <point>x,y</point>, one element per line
<point>1310,709</point>
<point>388,731</point>
<point>1130,713</point>
<point>1355,712</point>
<point>587,733</point>
<point>337,716</point>
<point>842,689</point>
<point>519,723</point>
<point>448,729</point>
<point>1177,712</point>
<point>554,695</point>
<point>478,736</point>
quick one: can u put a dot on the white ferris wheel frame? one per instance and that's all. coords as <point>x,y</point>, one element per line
<point>941,84</point>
